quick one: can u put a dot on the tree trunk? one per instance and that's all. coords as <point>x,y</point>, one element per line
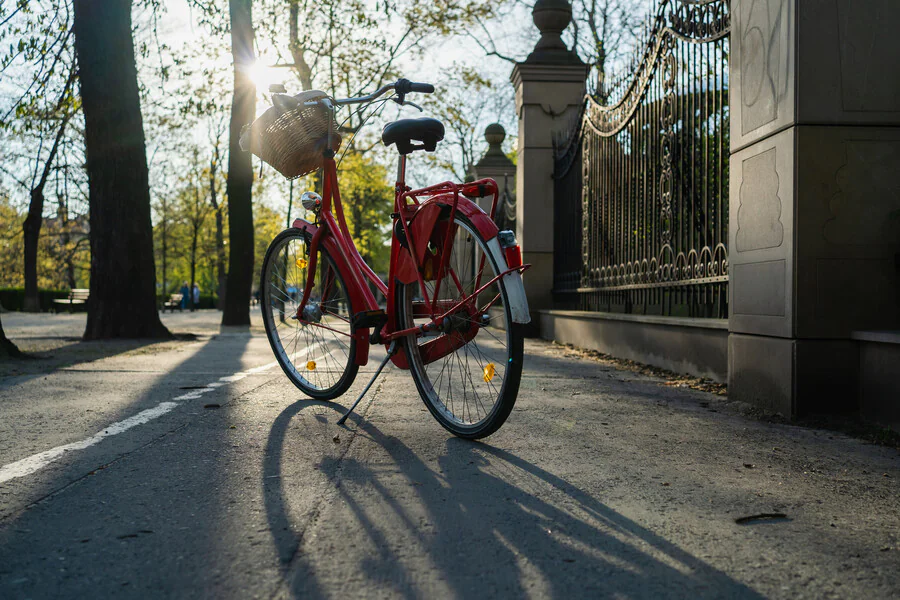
<point>220,259</point>
<point>240,171</point>
<point>123,277</point>
<point>31,230</point>
<point>7,348</point>
<point>220,229</point>
<point>62,215</point>
<point>297,50</point>
<point>194,235</point>
<point>165,251</point>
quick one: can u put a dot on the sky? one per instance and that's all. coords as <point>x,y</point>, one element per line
<point>178,29</point>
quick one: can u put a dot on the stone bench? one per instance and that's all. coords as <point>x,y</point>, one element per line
<point>77,297</point>
<point>879,376</point>
<point>173,302</point>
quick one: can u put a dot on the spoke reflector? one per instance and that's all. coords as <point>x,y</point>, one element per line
<point>311,365</point>
<point>301,263</point>
<point>489,371</point>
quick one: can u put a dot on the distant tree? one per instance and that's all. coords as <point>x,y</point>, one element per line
<point>236,309</point>
<point>32,225</point>
<point>195,211</point>
<point>218,206</point>
<point>469,102</point>
<point>123,296</point>
<point>40,63</point>
<point>602,32</point>
<point>368,202</point>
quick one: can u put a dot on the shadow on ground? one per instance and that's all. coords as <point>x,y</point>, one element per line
<point>490,522</point>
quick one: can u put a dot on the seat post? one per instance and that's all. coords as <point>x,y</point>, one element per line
<point>401,171</point>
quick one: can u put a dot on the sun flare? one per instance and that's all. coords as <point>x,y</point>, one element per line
<point>263,75</point>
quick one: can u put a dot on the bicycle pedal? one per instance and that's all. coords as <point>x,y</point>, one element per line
<point>370,318</point>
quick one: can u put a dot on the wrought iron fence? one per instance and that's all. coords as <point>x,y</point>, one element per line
<point>641,190</point>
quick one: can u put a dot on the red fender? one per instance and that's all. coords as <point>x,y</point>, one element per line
<point>351,279</point>
<point>422,227</point>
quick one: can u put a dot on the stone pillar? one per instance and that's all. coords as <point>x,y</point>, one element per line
<point>814,229</point>
<point>495,164</point>
<point>550,87</point>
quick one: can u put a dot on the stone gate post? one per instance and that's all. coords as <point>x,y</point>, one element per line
<point>814,229</point>
<point>494,164</point>
<point>550,87</point>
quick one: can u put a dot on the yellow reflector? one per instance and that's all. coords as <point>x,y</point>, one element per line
<point>301,263</point>
<point>311,365</point>
<point>489,372</point>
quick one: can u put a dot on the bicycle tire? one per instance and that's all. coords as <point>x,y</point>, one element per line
<point>333,305</point>
<point>443,408</point>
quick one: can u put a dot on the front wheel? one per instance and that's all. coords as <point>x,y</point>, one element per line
<point>316,349</point>
<point>468,375</point>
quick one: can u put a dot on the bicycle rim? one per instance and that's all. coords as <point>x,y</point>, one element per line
<point>471,390</point>
<point>315,349</point>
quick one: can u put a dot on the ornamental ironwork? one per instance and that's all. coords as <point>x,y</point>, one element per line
<point>642,225</point>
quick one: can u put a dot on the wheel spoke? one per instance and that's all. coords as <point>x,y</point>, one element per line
<point>314,360</point>
<point>465,387</point>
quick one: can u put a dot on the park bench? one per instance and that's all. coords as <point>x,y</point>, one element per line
<point>76,297</point>
<point>173,302</point>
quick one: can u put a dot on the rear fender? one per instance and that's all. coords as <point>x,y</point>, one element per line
<point>425,226</point>
<point>351,279</point>
<point>515,289</point>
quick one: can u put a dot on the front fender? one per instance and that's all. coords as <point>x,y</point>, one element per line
<point>352,283</point>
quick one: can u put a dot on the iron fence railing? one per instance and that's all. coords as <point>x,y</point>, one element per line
<point>641,191</point>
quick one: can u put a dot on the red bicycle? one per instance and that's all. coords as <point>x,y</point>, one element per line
<point>453,302</point>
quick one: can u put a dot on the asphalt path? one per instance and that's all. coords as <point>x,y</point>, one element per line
<point>194,469</point>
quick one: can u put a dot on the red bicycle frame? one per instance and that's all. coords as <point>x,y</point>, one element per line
<point>419,213</point>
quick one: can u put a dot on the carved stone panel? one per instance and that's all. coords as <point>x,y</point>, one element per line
<point>847,57</point>
<point>759,211</point>
<point>759,288</point>
<point>847,230</point>
<point>854,294</point>
<point>761,265</point>
<point>870,54</point>
<point>762,86</point>
<point>764,42</point>
<point>866,209</point>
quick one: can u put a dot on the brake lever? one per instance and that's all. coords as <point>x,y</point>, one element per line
<point>402,101</point>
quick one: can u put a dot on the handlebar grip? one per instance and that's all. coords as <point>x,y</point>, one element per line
<point>405,86</point>
<point>422,88</point>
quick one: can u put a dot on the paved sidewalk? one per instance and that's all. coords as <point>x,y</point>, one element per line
<point>602,483</point>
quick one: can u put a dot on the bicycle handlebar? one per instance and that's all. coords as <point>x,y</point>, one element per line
<point>402,87</point>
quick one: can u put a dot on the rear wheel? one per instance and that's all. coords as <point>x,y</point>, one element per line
<point>472,388</point>
<point>316,349</point>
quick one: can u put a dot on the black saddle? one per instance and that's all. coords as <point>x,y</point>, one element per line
<point>405,131</point>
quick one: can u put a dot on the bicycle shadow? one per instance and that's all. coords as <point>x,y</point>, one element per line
<point>494,524</point>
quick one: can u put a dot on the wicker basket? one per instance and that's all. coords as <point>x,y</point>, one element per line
<point>291,136</point>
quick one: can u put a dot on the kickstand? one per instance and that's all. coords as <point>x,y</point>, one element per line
<point>392,350</point>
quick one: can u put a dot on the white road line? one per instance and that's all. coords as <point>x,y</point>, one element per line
<point>36,462</point>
